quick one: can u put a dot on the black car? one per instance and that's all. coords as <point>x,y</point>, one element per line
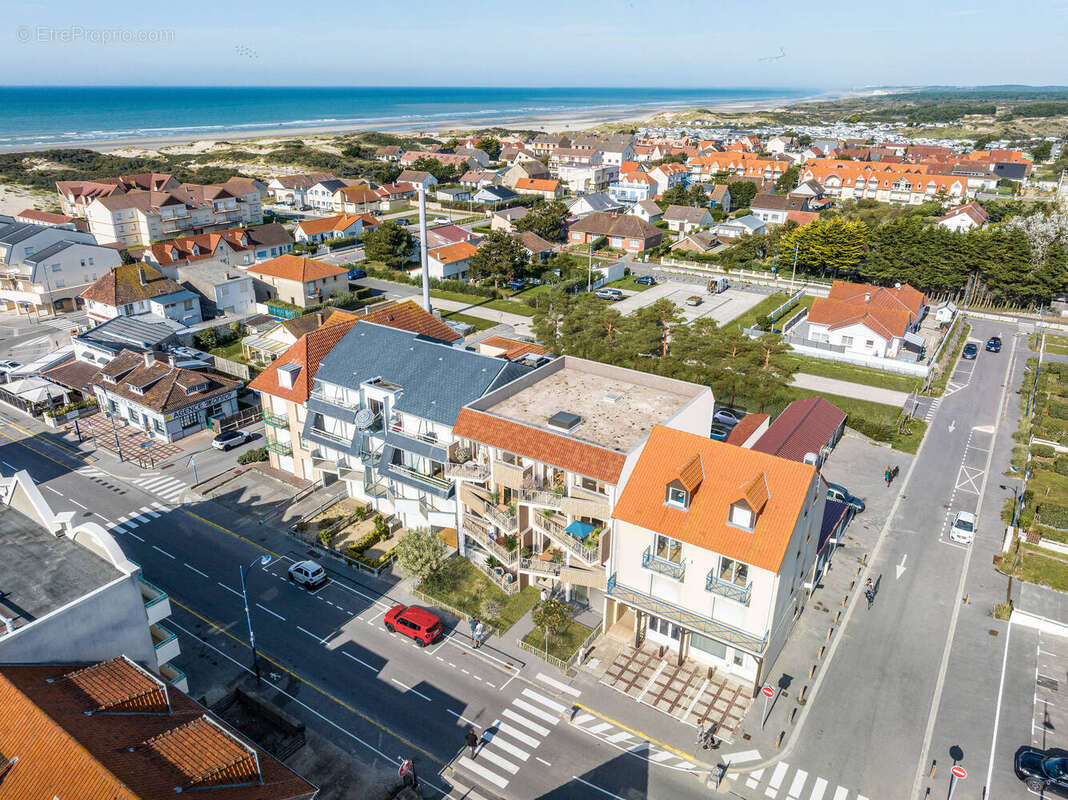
<point>993,344</point>
<point>646,280</point>
<point>971,350</point>
<point>1039,770</point>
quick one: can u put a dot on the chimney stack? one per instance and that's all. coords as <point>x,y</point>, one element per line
<point>318,319</point>
<point>149,358</point>
<point>867,297</point>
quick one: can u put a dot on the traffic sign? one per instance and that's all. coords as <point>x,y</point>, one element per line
<point>959,772</point>
<point>767,691</point>
<point>404,768</point>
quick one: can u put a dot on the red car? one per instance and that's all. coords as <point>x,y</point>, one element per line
<point>413,621</point>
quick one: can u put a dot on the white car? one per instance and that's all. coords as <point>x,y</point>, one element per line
<point>308,573</point>
<point>963,530</point>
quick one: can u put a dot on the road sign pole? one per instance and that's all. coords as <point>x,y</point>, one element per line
<point>768,693</point>
<point>958,773</point>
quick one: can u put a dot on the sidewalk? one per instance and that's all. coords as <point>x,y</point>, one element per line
<point>859,391</point>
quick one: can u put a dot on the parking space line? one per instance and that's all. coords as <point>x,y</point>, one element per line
<point>273,614</point>
<point>410,689</point>
<point>197,571</point>
<point>358,661</point>
<point>227,588</point>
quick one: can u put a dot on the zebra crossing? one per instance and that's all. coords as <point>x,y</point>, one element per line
<point>170,489</point>
<point>792,783</point>
<point>513,737</point>
<point>932,409</point>
<point>138,518</point>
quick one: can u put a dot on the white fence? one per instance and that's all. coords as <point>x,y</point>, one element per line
<point>885,364</point>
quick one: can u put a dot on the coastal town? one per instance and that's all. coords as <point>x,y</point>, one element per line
<point>682,461</point>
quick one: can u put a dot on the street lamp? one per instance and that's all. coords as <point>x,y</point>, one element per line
<point>263,561</point>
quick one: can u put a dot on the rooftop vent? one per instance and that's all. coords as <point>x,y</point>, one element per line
<point>612,397</point>
<point>564,421</point>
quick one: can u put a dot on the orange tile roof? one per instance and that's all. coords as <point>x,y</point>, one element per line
<point>895,297</point>
<point>745,428</point>
<point>308,351</point>
<point>835,314</point>
<point>551,448</point>
<point>359,194</point>
<point>513,348</point>
<point>295,268</point>
<point>729,471</point>
<point>339,222</point>
<point>537,184</point>
<point>803,218</point>
<point>116,687</point>
<point>451,253</point>
<point>691,473</point>
<point>410,316</point>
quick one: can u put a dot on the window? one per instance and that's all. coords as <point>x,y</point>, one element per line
<point>663,627</point>
<point>668,549</point>
<point>847,341</point>
<point>678,497</point>
<point>742,516</point>
<point>90,261</point>
<point>56,267</point>
<point>732,571</point>
<point>739,658</point>
<point>710,646</point>
<point>869,343</point>
<point>188,305</point>
<point>590,485</point>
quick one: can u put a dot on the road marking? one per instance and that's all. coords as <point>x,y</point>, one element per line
<point>777,776</point>
<point>410,689</point>
<point>584,718</point>
<point>663,755</point>
<point>563,687</point>
<point>517,734</point>
<point>461,717</point>
<point>273,614</point>
<point>617,737</point>
<point>545,701</point>
<point>160,549</point>
<point>639,734</point>
<point>526,723</point>
<point>304,630</point>
<point>481,771</point>
<point>997,708</point>
<point>131,533</point>
<point>464,671</point>
<point>543,761</point>
<point>818,789</point>
<point>197,571</point>
<point>16,469</point>
<point>534,710</point>
<point>799,781</point>
<point>598,788</point>
<point>227,588</point>
<point>841,793</point>
<point>77,504</point>
<point>501,762</point>
<point>358,661</point>
<point>743,756</point>
<point>504,745</point>
<point>49,488</point>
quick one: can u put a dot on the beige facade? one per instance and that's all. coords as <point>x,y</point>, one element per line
<point>302,294</point>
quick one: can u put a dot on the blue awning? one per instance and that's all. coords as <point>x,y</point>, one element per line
<point>580,530</point>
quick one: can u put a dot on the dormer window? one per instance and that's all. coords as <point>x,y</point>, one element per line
<point>741,515</point>
<point>678,497</point>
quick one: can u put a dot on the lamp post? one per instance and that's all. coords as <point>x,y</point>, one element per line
<point>263,561</point>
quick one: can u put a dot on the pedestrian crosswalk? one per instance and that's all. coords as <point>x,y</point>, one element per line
<point>932,409</point>
<point>138,518</point>
<point>792,783</point>
<point>170,489</point>
<point>627,740</point>
<point>510,742</point>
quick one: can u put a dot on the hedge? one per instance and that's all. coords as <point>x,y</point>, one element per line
<point>1053,515</point>
<point>1058,410</point>
<point>1043,451</point>
<point>1060,466</point>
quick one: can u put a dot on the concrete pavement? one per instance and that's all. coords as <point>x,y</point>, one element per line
<point>860,391</point>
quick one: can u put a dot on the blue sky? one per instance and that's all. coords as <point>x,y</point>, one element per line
<point>833,44</point>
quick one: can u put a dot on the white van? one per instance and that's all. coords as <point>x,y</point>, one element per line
<point>717,285</point>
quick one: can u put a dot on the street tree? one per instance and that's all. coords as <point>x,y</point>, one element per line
<point>697,196</point>
<point>491,145</point>
<point>787,182</point>
<point>421,552</point>
<point>388,243</point>
<point>443,173</point>
<point>546,220</point>
<point>552,616</point>
<point>500,258</point>
<point>742,194</point>
<point>677,195</point>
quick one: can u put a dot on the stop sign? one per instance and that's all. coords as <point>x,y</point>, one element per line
<point>404,768</point>
<point>959,772</point>
<point>767,691</point>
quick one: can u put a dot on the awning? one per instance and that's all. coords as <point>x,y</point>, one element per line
<point>580,530</point>
<point>265,344</point>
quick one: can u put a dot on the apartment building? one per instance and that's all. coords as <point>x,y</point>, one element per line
<point>286,385</point>
<point>586,178</point>
<point>543,459</point>
<point>75,196</point>
<point>238,246</point>
<point>714,551</point>
<point>299,281</point>
<point>70,593</point>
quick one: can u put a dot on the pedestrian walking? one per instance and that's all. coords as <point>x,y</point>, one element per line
<point>479,633</point>
<point>888,476</point>
<point>544,595</point>
<point>869,592</point>
<point>473,622</point>
<point>472,741</point>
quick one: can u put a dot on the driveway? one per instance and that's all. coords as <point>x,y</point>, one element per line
<point>722,307</point>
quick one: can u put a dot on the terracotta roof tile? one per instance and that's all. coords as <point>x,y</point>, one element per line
<point>295,268</point>
<point>805,426</point>
<point>124,285</point>
<point>338,222</point>
<point>308,352</point>
<point>166,388</point>
<point>704,524</point>
<point>691,473</point>
<point>537,185</point>
<point>560,451</point>
<point>452,253</point>
<point>886,322</point>
<point>754,492</point>
<point>745,428</point>
<point>513,348</point>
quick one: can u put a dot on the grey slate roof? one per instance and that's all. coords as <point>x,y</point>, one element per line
<point>598,201</point>
<point>19,231</point>
<point>500,192</point>
<point>47,253</point>
<point>438,379</point>
<point>129,333</point>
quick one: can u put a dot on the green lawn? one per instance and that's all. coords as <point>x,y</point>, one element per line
<point>564,644</point>
<point>232,351</point>
<point>1058,345</point>
<point>462,585</point>
<point>868,376</point>
<point>765,306</point>
<point>478,323</point>
<point>875,420</point>
<point>627,282</point>
<point>1037,565</point>
<point>508,306</point>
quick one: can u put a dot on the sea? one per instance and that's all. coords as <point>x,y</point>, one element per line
<point>61,116</point>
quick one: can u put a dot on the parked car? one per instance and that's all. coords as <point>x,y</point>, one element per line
<point>224,441</point>
<point>7,366</point>
<point>515,286</point>
<point>693,300</point>
<point>415,622</point>
<point>441,221</point>
<point>1039,770</point>
<point>356,274</point>
<point>835,491</point>
<point>308,573</point>
<point>993,344</point>
<point>728,416</point>
<point>609,294</point>
<point>963,530</point>
<point>720,432</point>
<point>971,350</point>
<point>645,280</point>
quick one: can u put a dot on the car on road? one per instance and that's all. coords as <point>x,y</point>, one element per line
<point>645,280</point>
<point>415,622</point>
<point>835,491</point>
<point>971,350</point>
<point>7,366</point>
<point>993,344</point>
<point>1039,770</point>
<point>308,573</point>
<point>224,441</point>
<point>963,530</point>
<point>719,432</point>
<point>356,274</point>
<point>440,221</point>
<point>728,416</point>
<point>609,294</point>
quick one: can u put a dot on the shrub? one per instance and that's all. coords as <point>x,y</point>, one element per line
<point>252,456</point>
<point>1058,410</point>
<point>1043,451</point>
<point>509,542</point>
<point>1053,515</point>
<point>206,339</point>
<point>324,538</point>
<point>360,513</point>
<point>1060,466</point>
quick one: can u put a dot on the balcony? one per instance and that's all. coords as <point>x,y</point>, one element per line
<point>507,523</point>
<point>557,531</point>
<point>165,642</point>
<point>323,463</point>
<point>281,448</point>
<point>509,475</point>
<point>731,591</point>
<point>470,471</point>
<point>481,535</point>
<point>420,477</point>
<point>545,498</point>
<point>687,619</point>
<point>174,676</point>
<point>539,567</point>
<point>661,565</point>
<point>347,473</point>
<point>395,426</point>
<point>157,603</point>
<point>338,401</point>
<point>340,439</point>
<point>584,503</point>
<point>274,420</point>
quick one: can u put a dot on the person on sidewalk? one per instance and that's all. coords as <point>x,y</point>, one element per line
<point>887,476</point>
<point>472,741</point>
<point>473,622</point>
<point>479,633</point>
<point>869,592</point>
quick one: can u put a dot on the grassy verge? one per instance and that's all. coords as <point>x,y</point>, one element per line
<point>1037,565</point>
<point>938,385</point>
<point>462,585</point>
<point>869,376</point>
<point>478,323</point>
<point>1057,345</point>
<point>507,306</point>
<point>563,644</point>
<point>627,282</point>
<point>766,306</point>
<point>875,420</point>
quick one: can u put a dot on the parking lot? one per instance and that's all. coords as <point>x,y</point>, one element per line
<point>722,307</point>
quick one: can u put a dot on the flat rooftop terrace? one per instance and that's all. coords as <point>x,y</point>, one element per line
<point>618,407</point>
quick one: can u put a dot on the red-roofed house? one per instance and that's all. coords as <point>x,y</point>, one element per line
<point>450,261</point>
<point>542,187</point>
<point>965,218</point>
<point>299,281</point>
<point>867,320</point>
<point>806,431</point>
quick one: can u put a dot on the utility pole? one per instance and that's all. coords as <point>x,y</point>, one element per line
<point>793,274</point>
<point>421,189</point>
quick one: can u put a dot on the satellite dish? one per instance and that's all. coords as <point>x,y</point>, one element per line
<point>364,418</point>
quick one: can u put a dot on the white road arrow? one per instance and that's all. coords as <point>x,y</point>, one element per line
<point>900,568</point>
<point>952,426</point>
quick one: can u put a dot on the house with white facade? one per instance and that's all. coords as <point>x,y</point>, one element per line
<point>713,551</point>
<point>668,176</point>
<point>868,320</point>
<point>633,187</point>
<point>686,219</point>
<point>747,225</point>
<point>964,218</point>
<point>591,204</point>
<point>140,289</point>
<point>292,190</point>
